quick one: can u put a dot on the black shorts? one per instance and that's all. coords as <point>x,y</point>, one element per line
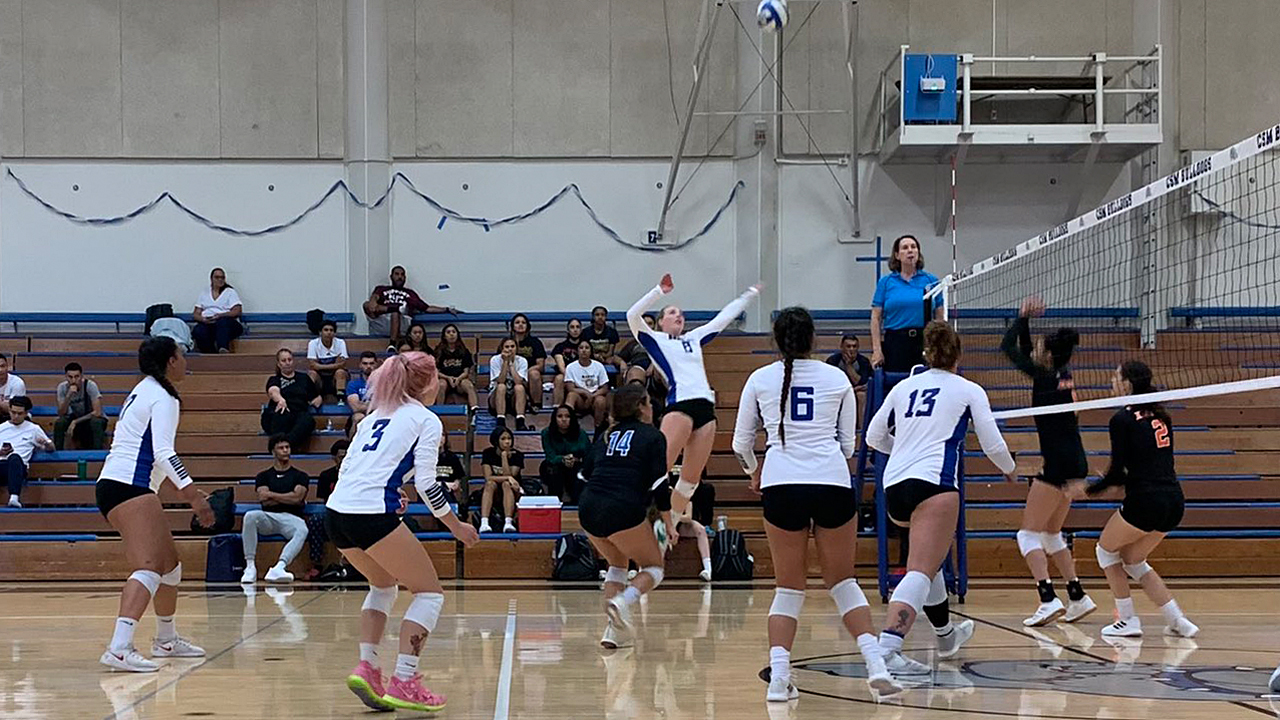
<point>701,412</point>
<point>110,493</point>
<point>328,383</point>
<point>1063,464</point>
<point>601,515</point>
<point>352,530</point>
<point>903,349</point>
<point>902,498</point>
<point>797,507</point>
<point>1153,511</point>
<point>642,361</point>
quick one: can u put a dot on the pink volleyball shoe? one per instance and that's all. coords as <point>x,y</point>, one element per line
<point>366,682</point>
<point>412,695</point>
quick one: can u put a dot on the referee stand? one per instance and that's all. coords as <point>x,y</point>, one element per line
<point>871,464</point>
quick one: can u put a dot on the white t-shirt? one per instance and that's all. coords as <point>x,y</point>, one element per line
<point>142,451</point>
<point>930,413</point>
<point>327,355</point>
<point>495,367</point>
<point>12,388</point>
<point>589,378</point>
<point>23,438</point>
<point>387,449</point>
<point>821,424</point>
<point>226,300</point>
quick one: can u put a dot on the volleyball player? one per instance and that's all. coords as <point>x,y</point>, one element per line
<point>625,467</point>
<point>930,411</point>
<point>1142,462</point>
<point>810,417</point>
<point>689,422</point>
<point>140,459</point>
<point>1040,537</point>
<point>399,436</point>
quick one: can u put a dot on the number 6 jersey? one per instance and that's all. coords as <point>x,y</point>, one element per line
<point>387,448</point>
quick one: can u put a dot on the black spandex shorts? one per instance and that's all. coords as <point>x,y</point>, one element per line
<point>351,530</point>
<point>1153,511</point>
<point>1064,464</point>
<point>702,412</point>
<point>796,507</point>
<point>602,516</point>
<point>902,498</point>
<point>110,493</point>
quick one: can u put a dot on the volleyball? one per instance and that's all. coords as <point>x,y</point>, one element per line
<point>772,14</point>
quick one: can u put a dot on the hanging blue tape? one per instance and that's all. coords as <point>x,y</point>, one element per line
<point>399,178</point>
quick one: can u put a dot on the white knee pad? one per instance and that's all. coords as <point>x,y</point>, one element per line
<point>1053,543</point>
<point>1106,558</point>
<point>380,599</point>
<point>1137,571</point>
<point>684,488</point>
<point>425,610</point>
<point>912,590</point>
<point>655,572</point>
<point>173,577</point>
<point>848,596</point>
<point>787,602</point>
<point>937,590</point>
<point>616,575</point>
<point>1029,541</point>
<point>148,578</point>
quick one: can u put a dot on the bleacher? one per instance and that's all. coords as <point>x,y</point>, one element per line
<point>1228,453</point>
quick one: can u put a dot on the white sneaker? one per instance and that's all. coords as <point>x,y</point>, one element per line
<point>705,575</point>
<point>1124,628</point>
<point>951,643</point>
<point>613,638</point>
<point>619,614</point>
<point>1274,683</point>
<point>1182,628</point>
<point>277,573</point>
<point>508,526</point>
<point>781,690</point>
<point>13,502</point>
<point>879,679</point>
<point>1046,613</point>
<point>177,647</point>
<point>250,575</point>
<point>899,664</point>
<point>1079,609</point>
<point>129,661</point>
<point>484,526</point>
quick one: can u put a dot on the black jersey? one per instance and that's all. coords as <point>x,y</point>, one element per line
<point>1059,434</point>
<point>627,463</point>
<point>1141,453</point>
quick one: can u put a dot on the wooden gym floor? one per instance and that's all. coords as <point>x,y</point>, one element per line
<point>529,650</point>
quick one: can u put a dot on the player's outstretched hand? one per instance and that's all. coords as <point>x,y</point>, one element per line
<point>1032,307</point>
<point>666,284</point>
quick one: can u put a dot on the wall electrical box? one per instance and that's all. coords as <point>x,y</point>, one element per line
<point>929,88</point>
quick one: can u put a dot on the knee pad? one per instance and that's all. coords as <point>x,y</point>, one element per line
<point>1053,543</point>
<point>937,590</point>
<point>380,599</point>
<point>173,577</point>
<point>1029,541</point>
<point>655,572</point>
<point>1106,558</point>
<point>616,575</point>
<point>425,610</point>
<point>912,590</point>
<point>148,578</point>
<point>1137,571</point>
<point>848,596</point>
<point>787,602</point>
<point>684,488</point>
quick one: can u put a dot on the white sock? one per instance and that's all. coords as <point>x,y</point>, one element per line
<point>631,595</point>
<point>1171,611</point>
<point>706,564</point>
<point>166,629</point>
<point>869,645</point>
<point>945,630</point>
<point>122,639</point>
<point>406,666</point>
<point>780,662</point>
<point>1124,608</point>
<point>890,643</point>
<point>369,653</point>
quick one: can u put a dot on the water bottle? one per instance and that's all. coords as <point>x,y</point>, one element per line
<point>722,523</point>
<point>82,469</point>
<point>329,426</point>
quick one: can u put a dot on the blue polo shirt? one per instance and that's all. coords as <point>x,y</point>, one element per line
<point>902,301</point>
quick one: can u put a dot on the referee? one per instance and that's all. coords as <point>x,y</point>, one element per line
<point>899,310</point>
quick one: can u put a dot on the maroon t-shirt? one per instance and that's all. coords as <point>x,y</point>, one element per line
<point>394,297</point>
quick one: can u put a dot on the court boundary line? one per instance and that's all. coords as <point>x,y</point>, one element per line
<point>502,705</point>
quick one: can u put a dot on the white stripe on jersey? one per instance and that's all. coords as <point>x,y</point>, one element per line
<point>821,424</point>
<point>386,449</point>
<point>142,451</point>
<point>929,413</point>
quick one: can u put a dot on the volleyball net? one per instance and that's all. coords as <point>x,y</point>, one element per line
<point>1181,274</point>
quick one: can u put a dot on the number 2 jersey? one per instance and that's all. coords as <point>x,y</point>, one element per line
<point>1141,453</point>
<point>388,448</point>
<point>922,425</point>
<point>142,451</point>
<point>626,464</point>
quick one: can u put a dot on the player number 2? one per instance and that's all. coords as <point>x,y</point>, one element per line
<point>1162,432</point>
<point>801,403</point>
<point>378,427</point>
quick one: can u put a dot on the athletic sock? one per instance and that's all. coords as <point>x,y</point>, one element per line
<point>706,564</point>
<point>779,662</point>
<point>369,653</point>
<point>631,595</point>
<point>1171,611</point>
<point>868,644</point>
<point>406,666</point>
<point>1045,588</point>
<point>1124,608</point>
<point>890,642</point>
<point>122,639</point>
<point>1075,591</point>
<point>166,629</point>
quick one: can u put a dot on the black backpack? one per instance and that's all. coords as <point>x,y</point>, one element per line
<point>223,502</point>
<point>154,313</point>
<point>729,558</point>
<point>574,559</point>
<point>315,320</point>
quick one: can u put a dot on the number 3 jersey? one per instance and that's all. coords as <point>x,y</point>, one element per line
<point>922,425</point>
<point>821,424</point>
<point>627,463</point>
<point>387,448</point>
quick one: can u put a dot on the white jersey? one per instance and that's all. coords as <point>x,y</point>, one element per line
<point>680,358</point>
<point>389,447</point>
<point>922,425</point>
<point>820,424</point>
<point>142,451</point>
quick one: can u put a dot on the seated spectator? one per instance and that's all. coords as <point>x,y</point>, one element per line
<point>566,446</point>
<point>79,411</point>
<point>502,465</point>
<point>317,534</point>
<point>604,338</point>
<point>390,308</point>
<point>290,399</point>
<point>357,391</point>
<point>19,438</point>
<point>217,315</point>
<point>508,381</point>
<point>326,360</point>
<point>11,386</point>
<point>565,352</point>
<point>457,370</point>
<point>417,337</point>
<point>639,364</point>
<point>452,477</point>
<point>586,385</point>
<point>534,352</point>
<point>851,362</point>
<point>282,490</point>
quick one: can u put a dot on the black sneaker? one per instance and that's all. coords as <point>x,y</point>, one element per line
<point>521,424</point>
<point>501,421</point>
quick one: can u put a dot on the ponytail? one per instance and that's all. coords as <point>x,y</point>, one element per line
<point>787,364</point>
<point>401,378</point>
<point>793,333</point>
<point>1142,379</point>
<point>153,361</point>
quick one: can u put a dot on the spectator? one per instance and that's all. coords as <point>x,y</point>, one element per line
<point>357,391</point>
<point>851,362</point>
<point>282,489</point>
<point>19,439</point>
<point>457,369</point>
<point>534,352</point>
<point>604,338</point>
<point>639,364</point>
<point>79,411</point>
<point>390,308</point>
<point>900,311</point>
<point>565,352</point>
<point>502,465</point>
<point>11,386</point>
<point>508,377</point>
<point>317,533</point>
<point>452,476</point>
<point>404,346</point>
<point>217,315</point>
<point>417,337</point>
<point>327,357</point>
<point>291,396</point>
<point>586,384</point>
<point>566,446</point>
